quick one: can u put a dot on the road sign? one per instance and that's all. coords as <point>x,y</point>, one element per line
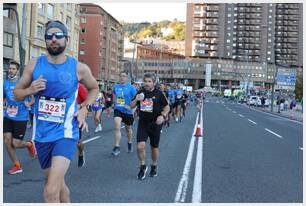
<point>286,77</point>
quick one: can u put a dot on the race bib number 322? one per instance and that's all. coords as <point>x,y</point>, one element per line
<point>51,109</point>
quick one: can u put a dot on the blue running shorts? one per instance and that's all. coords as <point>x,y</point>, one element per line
<point>46,150</point>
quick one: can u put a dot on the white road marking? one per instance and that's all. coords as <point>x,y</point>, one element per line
<point>241,115</point>
<point>275,115</point>
<point>252,121</point>
<point>123,126</point>
<point>274,133</point>
<point>234,112</point>
<point>301,148</point>
<point>197,181</point>
<point>91,139</point>
<point>182,188</point>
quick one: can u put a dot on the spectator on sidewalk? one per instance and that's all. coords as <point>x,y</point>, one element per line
<point>286,104</point>
<point>292,104</point>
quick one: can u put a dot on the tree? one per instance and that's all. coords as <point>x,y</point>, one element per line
<point>299,87</point>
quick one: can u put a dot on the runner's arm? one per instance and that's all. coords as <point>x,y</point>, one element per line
<point>86,78</point>
<point>23,88</point>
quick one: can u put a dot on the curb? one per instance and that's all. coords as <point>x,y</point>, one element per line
<point>277,114</point>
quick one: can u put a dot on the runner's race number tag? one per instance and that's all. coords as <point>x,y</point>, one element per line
<point>146,105</point>
<point>51,109</point>
<point>120,102</point>
<point>12,111</point>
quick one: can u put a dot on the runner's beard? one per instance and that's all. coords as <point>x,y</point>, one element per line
<point>55,51</point>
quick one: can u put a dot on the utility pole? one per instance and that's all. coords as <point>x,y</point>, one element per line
<point>273,83</point>
<point>135,42</point>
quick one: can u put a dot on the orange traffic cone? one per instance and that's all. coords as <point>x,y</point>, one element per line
<point>198,131</point>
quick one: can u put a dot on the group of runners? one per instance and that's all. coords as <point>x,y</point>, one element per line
<point>61,92</point>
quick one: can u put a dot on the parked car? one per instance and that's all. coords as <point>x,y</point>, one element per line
<point>267,102</point>
<point>253,100</point>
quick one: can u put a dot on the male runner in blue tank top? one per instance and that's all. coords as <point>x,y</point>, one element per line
<point>15,120</point>
<point>53,79</point>
<point>123,93</point>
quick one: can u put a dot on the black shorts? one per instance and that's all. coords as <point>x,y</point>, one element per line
<point>80,133</point>
<point>151,130</point>
<point>127,119</point>
<point>108,104</point>
<point>177,103</point>
<point>17,128</point>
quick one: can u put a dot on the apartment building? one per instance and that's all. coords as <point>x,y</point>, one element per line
<point>268,34</point>
<point>246,32</point>
<point>101,43</point>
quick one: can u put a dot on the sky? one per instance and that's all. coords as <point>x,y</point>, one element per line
<point>142,12</point>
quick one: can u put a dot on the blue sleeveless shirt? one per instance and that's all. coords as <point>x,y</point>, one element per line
<point>16,110</point>
<point>55,106</point>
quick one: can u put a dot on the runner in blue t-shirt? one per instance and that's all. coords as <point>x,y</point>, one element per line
<point>15,120</point>
<point>171,98</point>
<point>123,93</point>
<point>53,80</point>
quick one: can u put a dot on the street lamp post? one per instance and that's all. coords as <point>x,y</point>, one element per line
<point>21,49</point>
<point>134,52</point>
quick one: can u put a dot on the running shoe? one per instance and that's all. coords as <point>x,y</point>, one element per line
<point>116,151</point>
<point>130,148</point>
<point>81,160</point>
<point>15,170</point>
<point>32,149</point>
<point>153,172</point>
<point>97,129</point>
<point>142,172</point>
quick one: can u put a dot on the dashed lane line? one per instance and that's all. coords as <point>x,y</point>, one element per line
<point>274,133</point>
<point>252,121</point>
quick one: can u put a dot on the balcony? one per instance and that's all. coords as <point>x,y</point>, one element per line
<point>211,28</point>
<point>294,6</point>
<point>212,14</point>
<point>212,8</point>
<point>211,21</point>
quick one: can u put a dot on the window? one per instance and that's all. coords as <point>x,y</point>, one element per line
<point>40,31</point>
<point>68,22</point>
<point>69,7</point>
<point>62,16</point>
<point>83,30</point>
<point>41,9</point>
<point>7,39</point>
<point>82,52</point>
<point>69,43</point>
<point>83,20</point>
<point>50,11</point>
<point>6,13</point>
<point>83,41</point>
<point>34,52</point>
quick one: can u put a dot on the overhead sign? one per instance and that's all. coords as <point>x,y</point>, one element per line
<point>286,77</point>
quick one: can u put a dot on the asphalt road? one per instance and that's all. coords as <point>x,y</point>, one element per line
<point>246,156</point>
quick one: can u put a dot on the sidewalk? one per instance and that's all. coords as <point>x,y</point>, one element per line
<point>295,114</point>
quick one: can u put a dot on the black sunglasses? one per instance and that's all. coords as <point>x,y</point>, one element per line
<point>58,35</point>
